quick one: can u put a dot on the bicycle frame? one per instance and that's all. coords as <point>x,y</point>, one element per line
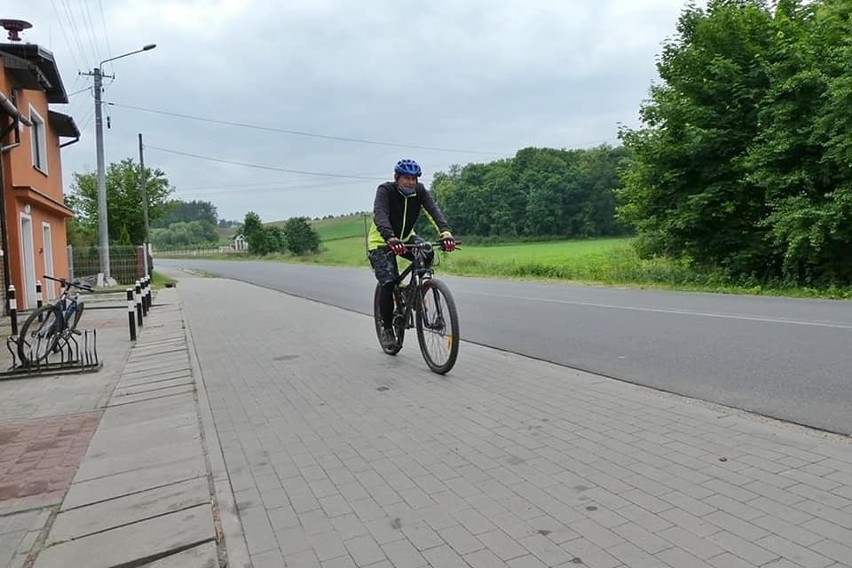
<point>416,272</point>
<point>68,305</point>
<point>426,304</point>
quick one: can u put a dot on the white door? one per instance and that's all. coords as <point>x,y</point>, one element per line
<point>28,256</point>
<point>47,239</point>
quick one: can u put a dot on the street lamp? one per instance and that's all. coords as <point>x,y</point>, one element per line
<point>103,228</point>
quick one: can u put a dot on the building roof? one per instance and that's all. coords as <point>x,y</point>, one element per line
<point>34,67</point>
<point>63,124</point>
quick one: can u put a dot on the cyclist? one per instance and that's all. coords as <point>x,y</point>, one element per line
<point>395,210</point>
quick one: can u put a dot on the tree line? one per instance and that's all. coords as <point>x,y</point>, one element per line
<point>172,222</point>
<point>296,236</point>
<point>539,193</point>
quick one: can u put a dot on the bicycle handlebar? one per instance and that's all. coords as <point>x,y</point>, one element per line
<point>66,284</point>
<point>427,245</point>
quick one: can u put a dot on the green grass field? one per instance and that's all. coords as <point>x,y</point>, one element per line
<point>609,261</point>
<point>347,227</point>
<point>594,261</point>
<point>344,243</point>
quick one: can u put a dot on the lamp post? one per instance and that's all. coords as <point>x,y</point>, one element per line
<point>144,194</point>
<point>103,228</point>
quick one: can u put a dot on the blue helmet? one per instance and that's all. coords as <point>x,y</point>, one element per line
<point>408,168</point>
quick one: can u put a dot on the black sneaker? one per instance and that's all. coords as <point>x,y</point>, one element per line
<point>388,339</point>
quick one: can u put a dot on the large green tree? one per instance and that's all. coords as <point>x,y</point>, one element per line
<point>123,198</point>
<point>259,240</point>
<point>803,155</point>
<point>743,159</point>
<point>262,239</point>
<point>297,236</point>
<point>686,189</point>
<point>300,237</point>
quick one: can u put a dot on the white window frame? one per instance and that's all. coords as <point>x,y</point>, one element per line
<point>38,137</point>
<point>47,249</point>
<point>28,257</point>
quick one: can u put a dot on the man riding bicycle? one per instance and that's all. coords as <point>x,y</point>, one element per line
<point>395,211</point>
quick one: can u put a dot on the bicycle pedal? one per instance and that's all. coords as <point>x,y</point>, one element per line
<point>76,332</point>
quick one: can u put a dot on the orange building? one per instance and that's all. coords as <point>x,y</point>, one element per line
<point>32,204</point>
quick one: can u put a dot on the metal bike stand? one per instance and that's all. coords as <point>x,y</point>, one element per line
<point>76,352</point>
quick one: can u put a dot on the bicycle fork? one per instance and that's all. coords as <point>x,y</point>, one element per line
<point>436,323</point>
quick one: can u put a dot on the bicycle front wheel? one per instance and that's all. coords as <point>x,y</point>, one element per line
<point>437,326</point>
<point>38,339</point>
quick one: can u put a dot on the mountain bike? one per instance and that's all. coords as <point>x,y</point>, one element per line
<point>48,329</point>
<point>423,303</point>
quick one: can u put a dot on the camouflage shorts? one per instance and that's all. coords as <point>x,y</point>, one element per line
<point>383,261</point>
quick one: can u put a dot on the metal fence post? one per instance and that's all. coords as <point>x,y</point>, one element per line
<point>13,309</point>
<point>145,296</point>
<point>138,303</point>
<point>38,298</point>
<point>69,249</point>
<point>131,314</point>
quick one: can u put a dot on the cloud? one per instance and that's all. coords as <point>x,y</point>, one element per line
<point>482,76</point>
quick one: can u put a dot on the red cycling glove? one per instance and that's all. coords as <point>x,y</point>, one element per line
<point>448,243</point>
<point>396,245</point>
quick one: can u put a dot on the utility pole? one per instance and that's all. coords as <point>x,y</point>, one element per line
<point>144,193</point>
<point>103,228</point>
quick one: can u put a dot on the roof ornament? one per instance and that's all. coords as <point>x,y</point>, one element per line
<point>14,27</point>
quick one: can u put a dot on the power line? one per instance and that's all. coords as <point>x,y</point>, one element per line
<point>308,134</point>
<point>65,35</point>
<point>87,16</point>
<point>80,91</point>
<point>88,116</point>
<point>220,186</point>
<point>75,32</point>
<point>231,189</point>
<point>276,184</point>
<point>103,22</point>
<point>258,166</point>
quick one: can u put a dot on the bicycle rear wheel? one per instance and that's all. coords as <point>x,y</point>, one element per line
<point>38,339</point>
<point>437,326</point>
<point>398,325</point>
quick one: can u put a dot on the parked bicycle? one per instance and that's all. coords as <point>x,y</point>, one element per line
<point>424,303</point>
<point>48,329</point>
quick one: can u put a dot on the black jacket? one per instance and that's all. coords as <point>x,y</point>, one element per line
<point>395,215</point>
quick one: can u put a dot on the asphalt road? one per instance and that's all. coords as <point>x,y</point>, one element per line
<point>786,358</point>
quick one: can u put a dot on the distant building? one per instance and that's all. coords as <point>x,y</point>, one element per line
<point>239,243</point>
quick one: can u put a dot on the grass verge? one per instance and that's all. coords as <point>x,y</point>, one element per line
<point>611,262</point>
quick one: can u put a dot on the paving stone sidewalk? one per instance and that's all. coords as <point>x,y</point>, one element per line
<point>341,456</point>
<point>111,468</point>
<point>46,423</point>
<point>272,432</point>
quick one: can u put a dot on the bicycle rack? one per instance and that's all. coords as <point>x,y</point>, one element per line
<point>75,352</point>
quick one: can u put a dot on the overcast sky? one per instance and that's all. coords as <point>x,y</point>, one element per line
<point>322,97</point>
